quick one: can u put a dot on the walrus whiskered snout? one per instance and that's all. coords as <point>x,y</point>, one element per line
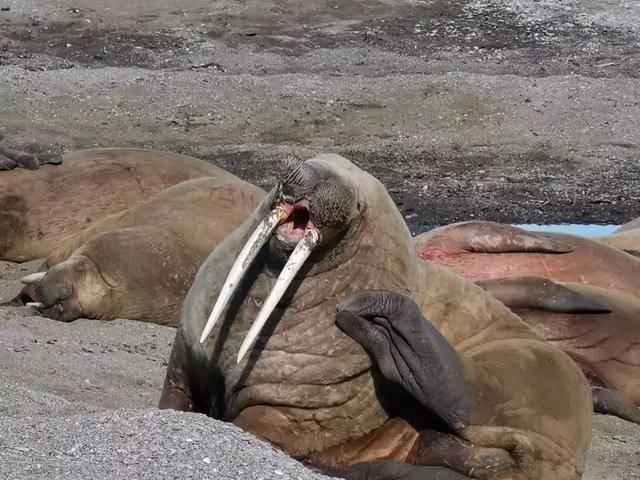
<point>292,222</point>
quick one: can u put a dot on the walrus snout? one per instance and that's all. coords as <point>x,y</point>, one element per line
<point>55,289</point>
<point>278,216</point>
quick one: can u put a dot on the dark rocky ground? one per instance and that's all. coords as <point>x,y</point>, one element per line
<point>509,110</point>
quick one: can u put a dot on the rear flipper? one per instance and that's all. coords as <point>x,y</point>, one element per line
<point>538,293</point>
<point>479,236</point>
<point>10,159</point>
<point>610,402</point>
<point>395,471</point>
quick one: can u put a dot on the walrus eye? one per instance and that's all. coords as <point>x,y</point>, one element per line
<point>248,253</point>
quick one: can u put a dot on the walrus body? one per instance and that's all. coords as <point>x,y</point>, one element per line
<point>139,263</point>
<point>598,328</point>
<point>480,250</point>
<point>626,238</point>
<point>41,209</point>
<point>479,392</point>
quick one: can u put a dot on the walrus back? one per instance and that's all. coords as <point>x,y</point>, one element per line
<point>527,396</point>
<point>43,208</point>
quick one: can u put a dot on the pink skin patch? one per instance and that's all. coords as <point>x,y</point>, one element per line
<point>298,222</point>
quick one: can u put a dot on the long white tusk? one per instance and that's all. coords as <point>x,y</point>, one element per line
<point>33,278</point>
<point>34,304</point>
<point>296,260</point>
<point>258,238</point>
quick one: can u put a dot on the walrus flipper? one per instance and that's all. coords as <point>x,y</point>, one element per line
<point>410,351</point>
<point>10,159</point>
<point>6,163</point>
<point>610,402</point>
<point>49,158</point>
<point>490,237</point>
<point>176,391</point>
<point>394,471</point>
<point>541,294</point>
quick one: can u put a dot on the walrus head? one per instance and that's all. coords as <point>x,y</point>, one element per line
<point>311,198</point>
<point>68,290</point>
<point>314,205</point>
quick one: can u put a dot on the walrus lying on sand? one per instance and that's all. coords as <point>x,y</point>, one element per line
<point>479,250</point>
<point>626,238</point>
<point>139,263</point>
<point>597,327</point>
<point>41,209</point>
<point>367,362</point>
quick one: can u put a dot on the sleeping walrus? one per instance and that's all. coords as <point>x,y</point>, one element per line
<point>597,327</point>
<point>139,263</point>
<point>368,363</point>
<point>479,250</point>
<point>41,209</point>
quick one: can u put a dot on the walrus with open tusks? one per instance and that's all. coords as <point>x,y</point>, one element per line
<point>480,250</point>
<point>597,327</point>
<point>626,238</point>
<point>41,209</point>
<point>139,263</point>
<point>315,327</point>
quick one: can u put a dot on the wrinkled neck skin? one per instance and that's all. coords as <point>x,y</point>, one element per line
<point>305,375</point>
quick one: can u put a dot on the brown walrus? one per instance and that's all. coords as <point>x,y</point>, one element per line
<point>479,250</point>
<point>626,238</point>
<point>597,327</point>
<point>420,372</point>
<point>40,209</point>
<point>139,263</point>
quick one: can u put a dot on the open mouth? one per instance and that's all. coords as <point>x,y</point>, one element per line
<point>296,225</point>
<point>293,227</point>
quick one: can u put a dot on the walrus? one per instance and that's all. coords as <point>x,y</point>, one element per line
<point>41,209</point>
<point>626,238</point>
<point>597,327</point>
<point>480,250</point>
<point>139,264</point>
<point>368,363</point>
<point>630,225</point>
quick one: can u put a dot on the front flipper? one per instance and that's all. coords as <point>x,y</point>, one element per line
<point>486,237</point>
<point>176,391</point>
<point>410,351</point>
<point>610,402</point>
<point>540,294</point>
<point>395,471</point>
<point>6,163</point>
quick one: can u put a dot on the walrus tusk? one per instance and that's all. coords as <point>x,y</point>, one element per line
<point>33,278</point>
<point>34,305</point>
<point>258,238</point>
<point>294,264</point>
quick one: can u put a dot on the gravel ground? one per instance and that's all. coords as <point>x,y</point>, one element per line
<point>510,110</point>
<point>47,441</point>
